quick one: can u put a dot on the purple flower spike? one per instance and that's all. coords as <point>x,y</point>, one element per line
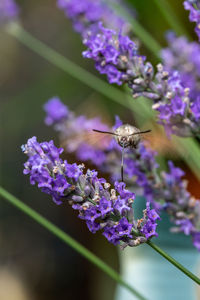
<point>87,193</point>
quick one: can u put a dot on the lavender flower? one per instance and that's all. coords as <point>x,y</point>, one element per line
<point>8,10</point>
<point>165,191</point>
<point>101,208</point>
<point>194,8</point>
<point>125,66</point>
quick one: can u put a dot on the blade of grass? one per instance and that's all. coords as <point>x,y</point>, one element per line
<point>168,13</point>
<point>68,240</point>
<point>65,64</point>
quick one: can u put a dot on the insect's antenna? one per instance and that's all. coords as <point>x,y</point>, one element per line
<point>141,132</point>
<point>107,132</point>
<point>122,164</point>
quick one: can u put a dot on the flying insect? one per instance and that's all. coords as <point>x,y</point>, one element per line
<point>126,136</point>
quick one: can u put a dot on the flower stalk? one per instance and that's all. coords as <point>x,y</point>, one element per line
<point>174,262</point>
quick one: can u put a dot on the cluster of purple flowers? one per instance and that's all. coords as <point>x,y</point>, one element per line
<point>111,53</point>
<point>194,8</point>
<point>8,10</point>
<point>102,208</point>
<point>116,56</point>
<point>165,191</point>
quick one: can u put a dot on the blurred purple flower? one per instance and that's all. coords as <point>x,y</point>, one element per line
<point>183,56</point>
<point>55,111</point>
<point>8,10</point>
<point>194,8</point>
<point>196,108</point>
<point>86,14</point>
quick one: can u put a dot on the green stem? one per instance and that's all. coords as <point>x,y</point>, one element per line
<point>174,262</point>
<point>65,64</point>
<point>138,106</point>
<point>68,240</point>
<point>138,29</point>
<point>170,16</point>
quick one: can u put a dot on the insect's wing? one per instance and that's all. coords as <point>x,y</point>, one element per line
<point>94,139</point>
<point>97,140</point>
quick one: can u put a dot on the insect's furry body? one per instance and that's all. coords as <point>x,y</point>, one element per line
<point>126,136</point>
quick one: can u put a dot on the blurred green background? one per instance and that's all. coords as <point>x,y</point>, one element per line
<point>33,263</point>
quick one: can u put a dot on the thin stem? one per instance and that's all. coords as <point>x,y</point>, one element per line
<point>138,106</point>
<point>65,64</point>
<point>138,29</point>
<point>68,240</point>
<point>174,262</point>
<point>170,16</point>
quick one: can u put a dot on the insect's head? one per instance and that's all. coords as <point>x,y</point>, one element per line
<point>127,136</point>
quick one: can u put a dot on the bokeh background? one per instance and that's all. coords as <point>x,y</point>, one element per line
<point>34,264</point>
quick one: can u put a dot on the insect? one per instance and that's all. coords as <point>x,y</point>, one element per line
<point>126,136</point>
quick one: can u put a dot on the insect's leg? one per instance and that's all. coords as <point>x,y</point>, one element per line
<point>122,165</point>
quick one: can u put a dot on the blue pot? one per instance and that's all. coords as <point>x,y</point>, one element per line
<point>152,275</point>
